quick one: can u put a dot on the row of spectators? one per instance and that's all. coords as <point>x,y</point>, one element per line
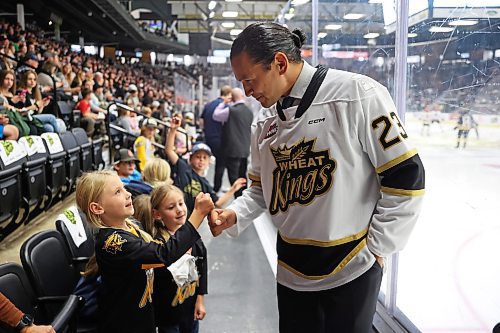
<point>90,83</point>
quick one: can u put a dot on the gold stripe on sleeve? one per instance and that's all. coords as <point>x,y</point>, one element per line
<point>254,178</point>
<point>396,161</point>
<point>397,191</point>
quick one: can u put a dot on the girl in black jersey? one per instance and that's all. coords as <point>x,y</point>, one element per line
<point>177,307</point>
<point>125,255</point>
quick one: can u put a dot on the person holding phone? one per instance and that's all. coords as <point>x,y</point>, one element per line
<point>33,101</point>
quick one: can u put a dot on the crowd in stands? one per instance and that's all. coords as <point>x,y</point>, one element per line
<point>37,72</point>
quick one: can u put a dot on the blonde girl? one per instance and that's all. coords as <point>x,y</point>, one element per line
<point>125,255</point>
<point>157,171</point>
<point>177,308</point>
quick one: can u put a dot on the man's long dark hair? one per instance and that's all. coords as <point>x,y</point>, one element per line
<point>262,40</point>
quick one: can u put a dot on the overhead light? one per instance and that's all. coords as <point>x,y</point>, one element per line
<point>375,1</point>
<point>212,4</point>
<point>412,35</point>
<point>234,0</point>
<point>353,16</point>
<point>371,35</point>
<point>463,22</point>
<point>289,16</point>
<point>228,25</point>
<point>229,13</point>
<point>333,26</point>
<point>440,29</point>
<point>299,2</point>
<point>212,14</point>
<point>50,22</point>
<point>322,35</point>
<point>235,32</point>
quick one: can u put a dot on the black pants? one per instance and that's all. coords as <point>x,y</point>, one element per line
<point>346,309</point>
<point>236,168</point>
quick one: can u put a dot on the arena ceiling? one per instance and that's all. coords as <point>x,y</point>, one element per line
<point>109,22</point>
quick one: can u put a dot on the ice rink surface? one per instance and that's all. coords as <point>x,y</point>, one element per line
<point>450,271</point>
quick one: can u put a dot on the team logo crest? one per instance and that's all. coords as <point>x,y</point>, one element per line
<point>114,243</point>
<point>301,175</point>
<point>273,129</point>
<point>70,216</point>
<point>8,147</point>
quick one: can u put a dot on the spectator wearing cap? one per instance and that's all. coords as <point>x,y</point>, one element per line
<point>190,178</point>
<point>30,61</point>
<point>143,145</point>
<point>124,165</point>
<point>132,97</point>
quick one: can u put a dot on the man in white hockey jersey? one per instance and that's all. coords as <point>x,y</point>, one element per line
<point>336,171</point>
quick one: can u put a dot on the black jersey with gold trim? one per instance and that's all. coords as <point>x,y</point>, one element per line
<point>126,263</point>
<point>342,182</point>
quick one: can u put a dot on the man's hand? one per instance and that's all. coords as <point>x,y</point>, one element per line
<point>380,261</point>
<point>221,219</point>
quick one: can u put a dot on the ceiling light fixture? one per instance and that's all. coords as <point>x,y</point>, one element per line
<point>333,26</point>
<point>463,22</point>
<point>229,13</point>
<point>371,35</point>
<point>412,35</point>
<point>235,32</point>
<point>440,29</point>
<point>228,25</point>
<point>353,16</point>
<point>376,1</point>
<point>299,2</point>
<point>212,4</point>
<point>322,35</point>
<point>234,0</point>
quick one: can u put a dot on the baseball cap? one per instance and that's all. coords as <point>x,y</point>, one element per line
<point>30,56</point>
<point>124,155</point>
<point>189,115</point>
<point>201,146</point>
<point>149,122</point>
<point>132,87</point>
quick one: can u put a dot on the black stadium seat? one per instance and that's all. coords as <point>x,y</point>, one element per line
<point>34,181</point>
<point>97,160</point>
<point>12,158</point>
<point>85,148</point>
<point>80,254</point>
<point>70,116</point>
<point>56,168</point>
<point>72,160</point>
<point>15,286</point>
<point>49,268</point>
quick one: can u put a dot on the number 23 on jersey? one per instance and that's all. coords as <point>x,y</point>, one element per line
<point>386,123</point>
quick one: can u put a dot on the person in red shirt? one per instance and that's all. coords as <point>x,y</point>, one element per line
<point>88,117</point>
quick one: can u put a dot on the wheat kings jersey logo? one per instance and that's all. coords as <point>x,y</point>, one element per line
<point>301,175</point>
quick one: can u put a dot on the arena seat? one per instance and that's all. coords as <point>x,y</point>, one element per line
<point>49,267</point>
<point>34,180</point>
<point>85,149</point>
<point>15,286</point>
<point>12,158</point>
<point>70,116</point>
<point>97,160</point>
<point>80,254</point>
<point>72,160</point>
<point>55,169</point>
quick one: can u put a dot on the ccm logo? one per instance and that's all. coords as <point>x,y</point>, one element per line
<point>316,121</point>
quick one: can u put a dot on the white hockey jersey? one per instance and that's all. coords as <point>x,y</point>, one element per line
<point>342,182</point>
